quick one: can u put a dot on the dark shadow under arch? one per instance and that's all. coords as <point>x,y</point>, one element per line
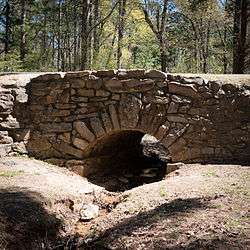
<point>122,161</point>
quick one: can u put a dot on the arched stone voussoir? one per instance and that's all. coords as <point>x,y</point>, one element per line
<point>107,121</point>
<point>162,130</point>
<point>82,129</point>
<point>152,116</point>
<point>97,127</point>
<point>129,111</point>
<point>172,134</point>
<point>114,117</point>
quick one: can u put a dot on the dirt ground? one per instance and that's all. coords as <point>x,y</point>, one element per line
<point>195,207</point>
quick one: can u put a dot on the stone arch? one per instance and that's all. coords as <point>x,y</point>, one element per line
<point>121,160</point>
<point>80,108</point>
<point>133,114</point>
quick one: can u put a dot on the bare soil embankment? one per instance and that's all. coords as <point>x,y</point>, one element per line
<point>195,207</point>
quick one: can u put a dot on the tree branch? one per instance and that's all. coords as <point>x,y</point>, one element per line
<point>102,21</point>
<point>164,16</point>
<point>149,21</point>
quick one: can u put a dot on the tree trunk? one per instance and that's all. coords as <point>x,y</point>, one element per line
<point>164,54</point>
<point>159,29</point>
<point>225,51</point>
<point>84,35</point>
<point>122,12</point>
<point>90,34</point>
<point>59,38</point>
<point>111,50</point>
<point>67,38</point>
<point>44,45</point>
<point>96,33</point>
<point>7,28</point>
<point>247,61</point>
<point>240,28</point>
<point>53,41</point>
<point>75,35</point>
<point>206,49</point>
<point>22,30</point>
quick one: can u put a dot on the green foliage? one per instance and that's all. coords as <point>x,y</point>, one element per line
<point>147,57</point>
<point>10,173</point>
<point>163,191</point>
<point>199,36</point>
<point>10,62</point>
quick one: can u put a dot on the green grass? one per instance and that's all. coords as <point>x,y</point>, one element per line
<point>238,190</point>
<point>237,224</point>
<point>163,191</point>
<point>10,173</point>
<point>93,231</point>
<point>211,173</point>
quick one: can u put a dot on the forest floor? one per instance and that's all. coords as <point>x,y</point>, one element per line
<point>195,207</point>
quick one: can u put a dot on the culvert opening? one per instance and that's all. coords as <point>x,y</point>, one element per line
<point>125,160</point>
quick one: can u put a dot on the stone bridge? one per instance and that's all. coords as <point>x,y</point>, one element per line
<point>76,119</point>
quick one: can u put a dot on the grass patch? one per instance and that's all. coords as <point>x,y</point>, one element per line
<point>11,173</point>
<point>163,191</point>
<point>238,190</point>
<point>92,232</point>
<point>211,173</point>
<point>237,224</point>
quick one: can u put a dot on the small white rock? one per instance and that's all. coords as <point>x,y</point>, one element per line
<point>89,212</point>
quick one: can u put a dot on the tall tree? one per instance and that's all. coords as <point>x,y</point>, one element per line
<point>121,23</point>
<point>7,27</point>
<point>247,62</point>
<point>240,32</point>
<point>155,14</point>
<point>202,18</point>
<point>84,34</point>
<point>75,18</point>
<point>96,30</point>
<point>23,33</point>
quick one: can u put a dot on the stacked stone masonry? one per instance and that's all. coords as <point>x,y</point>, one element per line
<point>58,117</point>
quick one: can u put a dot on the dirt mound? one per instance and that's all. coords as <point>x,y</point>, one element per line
<point>195,207</point>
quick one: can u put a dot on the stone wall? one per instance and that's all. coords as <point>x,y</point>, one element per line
<point>59,117</point>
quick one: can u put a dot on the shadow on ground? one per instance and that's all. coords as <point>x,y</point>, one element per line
<point>24,223</point>
<point>178,207</point>
<point>160,228</point>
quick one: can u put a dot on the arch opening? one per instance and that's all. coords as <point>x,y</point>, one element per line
<point>125,160</point>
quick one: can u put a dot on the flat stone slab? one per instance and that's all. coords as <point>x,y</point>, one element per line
<point>243,79</point>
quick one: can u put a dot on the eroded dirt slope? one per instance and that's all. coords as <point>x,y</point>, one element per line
<point>195,207</point>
